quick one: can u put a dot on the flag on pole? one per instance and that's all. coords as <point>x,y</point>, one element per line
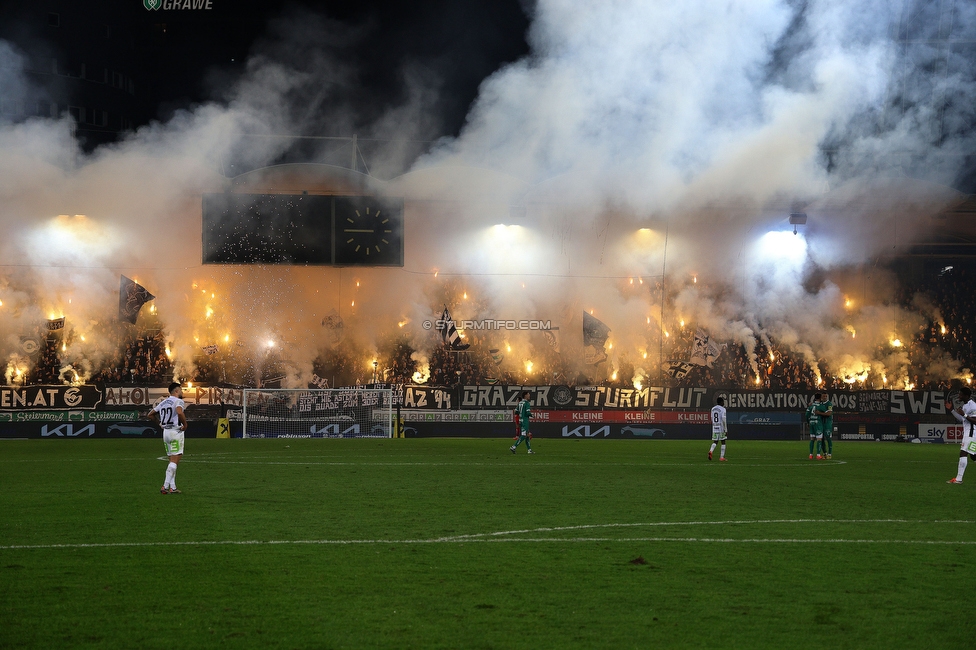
<point>132,296</point>
<point>595,332</point>
<point>210,349</point>
<point>595,335</point>
<point>55,324</point>
<point>552,338</point>
<point>449,333</point>
<point>496,356</point>
<point>699,351</point>
<point>713,352</point>
<point>705,351</point>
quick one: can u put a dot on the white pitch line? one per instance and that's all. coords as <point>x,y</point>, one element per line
<point>734,522</point>
<point>513,536</point>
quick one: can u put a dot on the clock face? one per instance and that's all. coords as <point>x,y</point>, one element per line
<point>368,232</point>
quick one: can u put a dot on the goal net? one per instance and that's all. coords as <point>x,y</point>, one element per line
<point>318,413</point>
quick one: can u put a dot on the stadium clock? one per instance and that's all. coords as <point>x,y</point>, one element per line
<point>368,232</point>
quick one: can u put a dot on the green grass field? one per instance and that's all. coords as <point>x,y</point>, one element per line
<point>459,544</point>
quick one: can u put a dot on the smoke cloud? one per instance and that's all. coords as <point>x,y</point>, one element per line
<point>633,165</point>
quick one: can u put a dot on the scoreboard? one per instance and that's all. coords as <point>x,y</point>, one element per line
<point>302,229</point>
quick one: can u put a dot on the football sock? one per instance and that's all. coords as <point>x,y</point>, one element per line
<point>830,446</point>
<point>527,445</point>
<point>518,441</point>
<point>963,461</point>
<point>722,455</point>
<point>811,446</point>
<point>170,475</point>
<point>712,448</point>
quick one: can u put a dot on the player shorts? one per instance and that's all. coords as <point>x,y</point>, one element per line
<point>173,441</point>
<point>816,433</point>
<point>968,445</point>
<point>719,435</point>
<point>524,431</point>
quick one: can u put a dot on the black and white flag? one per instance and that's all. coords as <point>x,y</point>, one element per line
<point>679,369</point>
<point>705,351</point>
<point>132,296</point>
<point>449,333</point>
<point>595,331</point>
<point>319,382</point>
<point>552,338</point>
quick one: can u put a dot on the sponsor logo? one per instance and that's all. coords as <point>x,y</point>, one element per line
<point>585,432</point>
<point>69,416</point>
<point>333,431</point>
<point>584,416</point>
<point>49,397</point>
<point>946,432</point>
<point>72,397</point>
<point>562,396</point>
<point>67,431</point>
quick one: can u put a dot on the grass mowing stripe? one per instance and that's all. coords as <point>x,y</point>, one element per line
<point>556,540</point>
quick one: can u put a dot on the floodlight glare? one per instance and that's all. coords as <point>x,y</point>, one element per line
<point>777,246</point>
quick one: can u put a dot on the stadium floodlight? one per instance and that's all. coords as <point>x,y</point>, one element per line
<point>777,246</point>
<point>798,219</point>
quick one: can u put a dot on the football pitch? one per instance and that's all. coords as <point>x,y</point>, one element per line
<point>456,543</point>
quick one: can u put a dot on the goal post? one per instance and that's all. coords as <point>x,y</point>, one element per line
<point>318,413</point>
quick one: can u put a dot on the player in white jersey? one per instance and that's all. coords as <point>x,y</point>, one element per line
<point>966,414</point>
<point>169,414</point>
<point>720,428</point>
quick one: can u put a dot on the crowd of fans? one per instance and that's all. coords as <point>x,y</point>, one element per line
<point>143,360</point>
<point>946,311</point>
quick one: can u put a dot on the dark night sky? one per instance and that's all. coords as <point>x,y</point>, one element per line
<point>180,58</point>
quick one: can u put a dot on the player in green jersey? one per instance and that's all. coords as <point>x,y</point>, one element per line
<point>814,424</point>
<point>826,413</point>
<point>523,413</point>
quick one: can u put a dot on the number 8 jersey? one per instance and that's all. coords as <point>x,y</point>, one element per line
<point>719,425</point>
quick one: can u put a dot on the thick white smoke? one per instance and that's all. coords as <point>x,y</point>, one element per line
<point>631,165</point>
